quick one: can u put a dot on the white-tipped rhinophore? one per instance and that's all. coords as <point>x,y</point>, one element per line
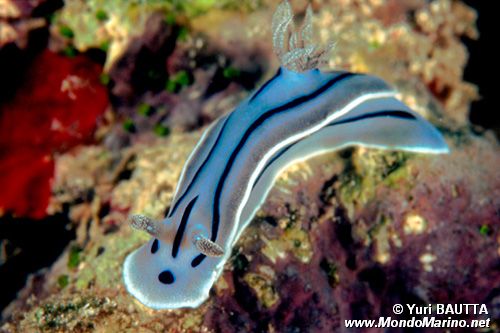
<point>145,223</point>
<point>207,247</point>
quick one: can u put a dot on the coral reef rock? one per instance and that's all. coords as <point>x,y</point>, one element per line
<point>341,236</point>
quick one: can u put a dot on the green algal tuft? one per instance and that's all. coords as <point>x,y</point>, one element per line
<point>104,46</point>
<point>231,72</point>
<point>178,81</point>
<point>170,18</point>
<point>63,281</point>
<point>66,31</point>
<point>161,130</point>
<point>70,51</point>
<point>101,15</point>
<point>485,230</point>
<point>128,125</point>
<point>183,34</point>
<point>74,257</point>
<point>104,79</point>
<point>145,110</point>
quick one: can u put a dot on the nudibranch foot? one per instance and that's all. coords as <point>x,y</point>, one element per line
<point>294,46</point>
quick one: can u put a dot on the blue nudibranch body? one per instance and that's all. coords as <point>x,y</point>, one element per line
<point>299,113</point>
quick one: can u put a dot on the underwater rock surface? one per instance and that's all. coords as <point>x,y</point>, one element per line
<point>341,236</point>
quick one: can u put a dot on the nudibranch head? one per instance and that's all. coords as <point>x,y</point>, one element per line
<point>161,282</point>
<point>160,275</point>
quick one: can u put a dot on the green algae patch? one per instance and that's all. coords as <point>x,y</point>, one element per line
<point>66,31</point>
<point>485,230</point>
<point>294,240</point>
<point>192,321</point>
<point>63,281</point>
<point>101,15</point>
<point>263,288</point>
<point>104,79</point>
<point>368,169</point>
<point>129,126</point>
<point>74,257</point>
<point>105,270</point>
<point>145,110</point>
<point>94,22</point>
<point>178,81</point>
<point>231,73</point>
<point>74,315</point>
<point>89,23</point>
<point>161,130</point>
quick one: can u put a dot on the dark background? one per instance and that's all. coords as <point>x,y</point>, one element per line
<point>482,69</point>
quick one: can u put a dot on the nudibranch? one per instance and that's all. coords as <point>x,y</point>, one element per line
<point>299,113</point>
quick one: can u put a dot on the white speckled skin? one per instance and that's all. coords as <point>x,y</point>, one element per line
<point>291,117</point>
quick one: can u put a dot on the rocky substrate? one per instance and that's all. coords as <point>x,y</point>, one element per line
<point>342,236</point>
